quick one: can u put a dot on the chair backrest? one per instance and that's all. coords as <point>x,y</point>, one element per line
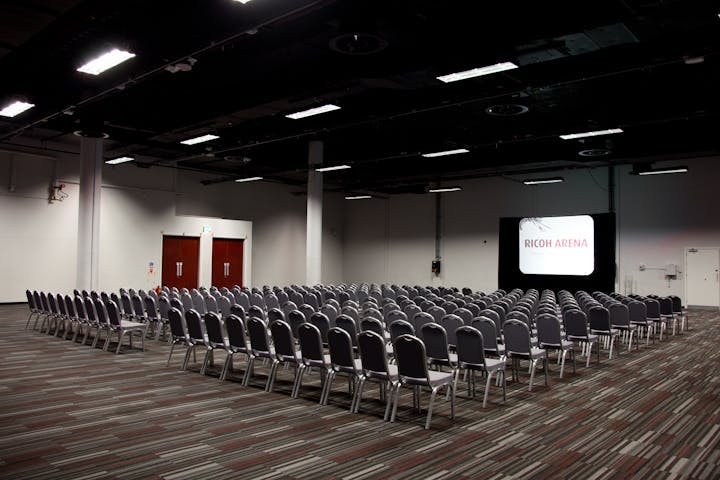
<point>296,318</point>
<point>653,308</point>
<point>341,349</point>
<point>411,358</point>
<point>80,308</point>
<point>105,297</point>
<point>177,323</point>
<point>548,330</point>
<point>256,312</point>
<point>351,312</point>
<point>419,320</point>
<point>619,315</point>
<point>373,325</point>
<point>575,323</point>
<point>60,301</point>
<point>69,307</point>
<point>676,304</point>
<point>238,311</point>
<point>599,318</point>
<point>164,307</point>
<point>257,300</point>
<point>395,315</point>
<point>90,309</point>
<point>100,311</point>
<point>400,327</point>
<point>638,311</point>
<point>488,328</point>
<point>211,304</point>
<point>271,301</point>
<point>666,305</point>
<point>449,306</point>
<point>450,323</point>
<point>275,314</point>
<point>224,306</point>
<point>282,340</point>
<point>436,343</point>
<point>470,346</point>
<point>311,344</point>
<point>241,298</point>
<point>437,313</point>
<point>373,354</point>
<point>113,313</point>
<point>411,309</point>
<point>151,309</point>
<point>193,322</point>
<point>307,310</point>
<point>465,314</point>
<point>329,311</point>
<point>348,324</point>
<point>517,337</point>
<point>288,307</point>
<point>236,331</point>
<point>322,322</point>
<point>214,328</point>
<point>258,334</point>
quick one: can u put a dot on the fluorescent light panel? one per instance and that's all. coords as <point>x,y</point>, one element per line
<point>358,197</point>
<point>444,190</point>
<point>118,160</point>
<point>662,171</point>
<point>446,152</point>
<point>541,181</point>
<point>594,133</point>
<point>105,61</point>
<point>243,1</point>
<point>248,179</point>
<point>16,108</point>
<point>331,169</point>
<point>200,139</point>
<point>313,111</point>
<point>477,72</point>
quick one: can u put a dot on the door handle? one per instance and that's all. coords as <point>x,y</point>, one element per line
<point>226,269</point>
<point>178,268</point>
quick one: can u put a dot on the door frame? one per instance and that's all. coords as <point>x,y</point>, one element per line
<point>244,253</point>
<point>686,250</point>
<point>164,234</point>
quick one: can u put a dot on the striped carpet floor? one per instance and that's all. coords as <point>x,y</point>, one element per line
<point>72,412</point>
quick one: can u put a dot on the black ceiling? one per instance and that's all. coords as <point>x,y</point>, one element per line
<point>648,67</point>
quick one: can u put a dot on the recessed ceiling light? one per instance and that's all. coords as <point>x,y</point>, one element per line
<point>358,197</point>
<point>662,171</point>
<point>330,169</point>
<point>248,179</point>
<point>243,1</point>
<point>15,108</point>
<point>444,189</point>
<point>200,139</point>
<point>115,161</point>
<point>594,133</point>
<point>477,72</point>
<point>541,181</point>
<point>313,111</point>
<point>105,61</point>
<point>446,152</point>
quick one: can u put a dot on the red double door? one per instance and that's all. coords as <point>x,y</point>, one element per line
<point>227,262</point>
<point>181,262</point>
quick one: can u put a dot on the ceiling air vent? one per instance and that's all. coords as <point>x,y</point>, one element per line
<point>506,110</point>
<point>358,44</point>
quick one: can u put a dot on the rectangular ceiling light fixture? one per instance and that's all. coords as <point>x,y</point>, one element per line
<point>243,1</point>
<point>248,179</point>
<point>105,61</point>
<point>594,133</point>
<point>313,111</point>
<point>331,169</point>
<point>661,171</point>
<point>477,72</point>
<point>15,108</point>
<point>358,197</point>
<point>115,161</point>
<point>200,139</point>
<point>541,181</point>
<point>446,152</point>
<point>444,189</point>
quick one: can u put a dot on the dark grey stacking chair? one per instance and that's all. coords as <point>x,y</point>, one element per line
<point>83,321</point>
<point>373,356</point>
<point>436,346</point>
<point>312,355</point>
<point>237,343</point>
<point>599,323</point>
<point>576,330</point>
<point>260,347</point>
<point>465,314</point>
<point>275,314</point>
<point>257,312</point>
<point>225,306</point>
<point>330,312</point>
<point>138,309</point>
<point>238,311</point>
<point>413,371</point>
<point>196,334</point>
<point>437,313</point>
<point>295,318</point>
<point>420,319</point>
<point>103,322</point>
<point>72,316</point>
<point>518,347</point>
<point>550,338</point>
<point>666,313</point>
<point>211,304</point>
<point>152,314</point>
<point>488,328</point>
<point>638,317</point>
<point>285,353</point>
<point>348,324</point>
<point>164,307</point>
<point>178,333</point>
<point>93,319</point>
<point>33,308</point>
<point>214,340</point>
<point>471,356</point>
<point>451,323</point>
<point>395,315</point>
<point>122,327</point>
<point>679,312</point>
<point>652,307</point>
<point>342,360</point>
<point>400,327</point>
<point>322,322</point>
<point>63,319</point>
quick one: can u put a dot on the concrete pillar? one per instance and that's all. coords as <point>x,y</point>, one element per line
<point>88,242</point>
<point>313,256</point>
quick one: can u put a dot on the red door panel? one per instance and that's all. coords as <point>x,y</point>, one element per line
<point>227,262</point>
<point>180,261</point>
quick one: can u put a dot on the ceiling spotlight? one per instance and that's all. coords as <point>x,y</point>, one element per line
<point>15,108</point>
<point>541,181</point>
<point>105,61</point>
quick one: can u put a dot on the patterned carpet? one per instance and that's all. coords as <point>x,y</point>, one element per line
<point>73,412</point>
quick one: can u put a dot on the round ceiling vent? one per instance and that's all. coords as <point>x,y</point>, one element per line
<point>358,43</point>
<point>506,110</point>
<point>594,152</point>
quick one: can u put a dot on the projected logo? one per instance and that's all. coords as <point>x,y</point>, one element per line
<point>557,245</point>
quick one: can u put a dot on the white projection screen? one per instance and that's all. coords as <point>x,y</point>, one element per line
<point>557,245</point>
